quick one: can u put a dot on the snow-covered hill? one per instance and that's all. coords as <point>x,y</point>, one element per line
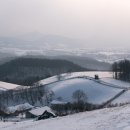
<point>97,91</point>
<point>106,119</point>
<point>101,74</point>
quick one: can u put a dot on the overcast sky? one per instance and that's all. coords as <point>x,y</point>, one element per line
<point>100,22</point>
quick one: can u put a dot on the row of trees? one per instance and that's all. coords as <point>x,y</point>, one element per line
<point>121,70</point>
<point>72,107</point>
<point>36,95</point>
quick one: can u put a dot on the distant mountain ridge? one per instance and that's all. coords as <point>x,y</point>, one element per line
<point>37,40</point>
<point>87,62</point>
<point>53,45</point>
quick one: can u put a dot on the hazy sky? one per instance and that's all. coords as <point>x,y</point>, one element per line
<point>99,21</point>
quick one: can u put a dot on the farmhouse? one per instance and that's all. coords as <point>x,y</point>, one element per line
<point>40,113</point>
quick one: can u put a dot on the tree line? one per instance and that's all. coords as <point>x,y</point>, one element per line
<point>121,70</point>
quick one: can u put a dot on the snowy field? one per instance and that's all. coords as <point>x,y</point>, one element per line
<point>116,82</point>
<point>77,74</point>
<point>105,119</point>
<point>124,98</point>
<point>7,86</point>
<point>96,93</point>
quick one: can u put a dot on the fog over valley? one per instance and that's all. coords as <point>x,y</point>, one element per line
<point>64,64</point>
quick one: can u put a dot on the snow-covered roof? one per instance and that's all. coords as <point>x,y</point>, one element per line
<point>20,107</point>
<point>56,102</point>
<point>40,110</point>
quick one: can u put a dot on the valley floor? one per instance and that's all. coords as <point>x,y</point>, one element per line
<point>117,118</point>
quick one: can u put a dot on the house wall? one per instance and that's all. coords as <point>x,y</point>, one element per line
<point>30,115</point>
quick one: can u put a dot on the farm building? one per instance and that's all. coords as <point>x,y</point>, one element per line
<point>40,113</point>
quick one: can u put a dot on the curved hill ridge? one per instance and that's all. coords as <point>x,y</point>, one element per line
<point>96,93</point>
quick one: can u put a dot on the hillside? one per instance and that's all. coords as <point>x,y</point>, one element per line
<point>26,71</point>
<point>34,95</point>
<point>98,92</point>
<point>83,61</point>
<point>6,57</point>
<point>104,119</point>
<point>87,62</point>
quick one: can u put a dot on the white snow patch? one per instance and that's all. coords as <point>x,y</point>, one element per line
<point>8,86</point>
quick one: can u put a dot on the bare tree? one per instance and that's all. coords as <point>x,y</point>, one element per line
<point>59,77</point>
<point>79,96</point>
<point>48,96</point>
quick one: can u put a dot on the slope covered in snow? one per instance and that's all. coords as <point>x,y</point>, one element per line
<point>77,74</point>
<point>106,119</point>
<point>124,98</point>
<point>116,82</point>
<point>7,86</point>
<point>96,93</point>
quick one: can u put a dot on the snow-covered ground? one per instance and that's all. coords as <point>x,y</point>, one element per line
<point>105,119</point>
<point>7,86</point>
<point>101,74</point>
<point>124,98</point>
<point>116,82</point>
<point>96,93</point>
